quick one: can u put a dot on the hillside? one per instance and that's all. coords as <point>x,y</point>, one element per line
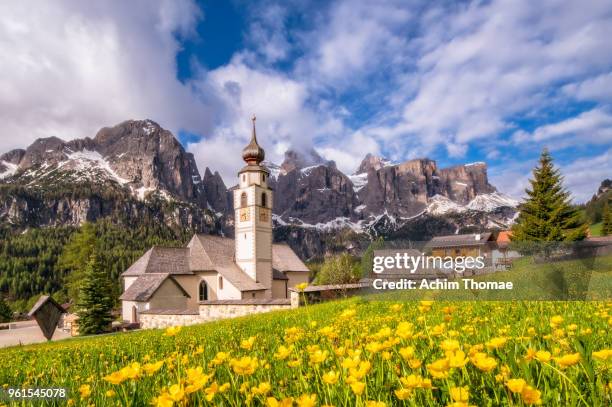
<point>341,353</point>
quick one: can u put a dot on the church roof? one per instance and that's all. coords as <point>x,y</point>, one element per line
<point>217,253</point>
<point>285,259</point>
<point>170,260</point>
<point>145,286</point>
<point>204,253</point>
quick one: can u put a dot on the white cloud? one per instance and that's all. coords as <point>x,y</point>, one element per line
<point>482,64</point>
<point>595,89</point>
<point>70,68</point>
<point>283,116</point>
<point>593,126</point>
<point>582,175</point>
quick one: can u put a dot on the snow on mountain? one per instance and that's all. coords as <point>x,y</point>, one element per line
<point>489,202</point>
<point>440,205</point>
<point>274,169</point>
<point>11,169</point>
<point>359,181</point>
<point>86,160</point>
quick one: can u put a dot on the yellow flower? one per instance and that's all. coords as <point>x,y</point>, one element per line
<point>283,352</point>
<point>318,356</point>
<point>358,387</point>
<point>484,362</point>
<point>531,395</point>
<point>404,330</point>
<point>530,355</point>
<point>556,320</point>
<point>163,400</point>
<point>151,368</point>
<point>172,331</point>
<point>247,343</point>
<point>85,391</point>
<point>407,352</point>
<point>414,381</point>
<point>176,392</point>
<point>262,389</point>
<point>301,286</point>
<point>374,403</point>
<point>115,377</point>
<point>211,390</point>
<point>414,363</point>
<point>439,369</point>
<point>307,400</point>
<point>396,307</point>
<point>457,359</point>
<point>403,394</point>
<point>603,354</point>
<point>496,343</point>
<point>348,313</point>
<point>110,393</point>
<point>516,385</point>
<point>543,356</point>
<point>294,363</point>
<point>131,371</point>
<point>460,394</point>
<point>224,387</point>
<point>244,366</point>
<point>219,358</point>
<point>568,360</point>
<point>449,345</point>
<point>331,377</point>
<point>272,402</point>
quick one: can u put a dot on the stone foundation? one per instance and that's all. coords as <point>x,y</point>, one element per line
<point>209,311</point>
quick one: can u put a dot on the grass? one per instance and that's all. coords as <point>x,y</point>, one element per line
<point>356,351</point>
<point>596,229</point>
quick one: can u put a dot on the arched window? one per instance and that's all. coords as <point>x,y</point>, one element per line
<point>263,199</point>
<point>243,200</point>
<point>203,291</point>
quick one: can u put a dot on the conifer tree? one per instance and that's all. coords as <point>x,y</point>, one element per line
<point>75,256</point>
<point>606,227</point>
<point>95,300</point>
<point>547,214</point>
<point>5,311</point>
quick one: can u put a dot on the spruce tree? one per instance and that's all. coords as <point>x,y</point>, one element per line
<point>95,300</point>
<point>75,256</point>
<point>547,214</point>
<point>606,227</point>
<point>6,314</point>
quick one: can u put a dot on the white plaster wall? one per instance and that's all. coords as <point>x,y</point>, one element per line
<point>127,282</point>
<point>126,309</point>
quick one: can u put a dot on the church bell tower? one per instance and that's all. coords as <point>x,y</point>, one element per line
<point>253,217</point>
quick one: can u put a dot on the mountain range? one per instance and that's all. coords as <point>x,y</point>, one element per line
<point>137,169</point>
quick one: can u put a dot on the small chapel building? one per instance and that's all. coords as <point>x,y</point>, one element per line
<point>215,277</point>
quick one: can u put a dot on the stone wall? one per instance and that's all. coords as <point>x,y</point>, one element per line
<point>211,311</point>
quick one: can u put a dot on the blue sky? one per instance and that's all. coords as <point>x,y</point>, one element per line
<point>492,81</point>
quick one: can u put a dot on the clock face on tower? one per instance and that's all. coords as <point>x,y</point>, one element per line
<point>244,215</point>
<point>264,214</point>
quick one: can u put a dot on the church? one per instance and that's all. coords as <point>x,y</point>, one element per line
<point>215,277</point>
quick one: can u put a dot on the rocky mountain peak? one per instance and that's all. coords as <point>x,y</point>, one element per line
<point>372,162</point>
<point>298,160</point>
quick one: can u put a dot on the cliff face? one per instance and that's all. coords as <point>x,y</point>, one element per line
<point>130,170</point>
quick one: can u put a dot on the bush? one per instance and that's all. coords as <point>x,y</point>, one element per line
<point>342,269</point>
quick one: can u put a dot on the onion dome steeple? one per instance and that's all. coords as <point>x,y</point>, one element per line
<point>253,154</point>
